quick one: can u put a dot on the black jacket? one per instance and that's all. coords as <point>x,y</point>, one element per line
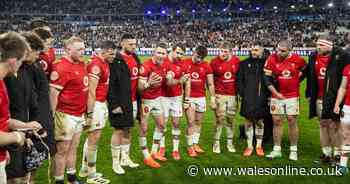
<point>339,59</point>
<point>23,107</point>
<point>45,117</point>
<point>251,88</point>
<point>22,95</point>
<point>119,94</point>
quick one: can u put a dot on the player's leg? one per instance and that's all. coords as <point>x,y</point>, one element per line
<point>230,111</point>
<point>190,116</point>
<point>145,112</point>
<point>259,134</point>
<point>99,119</point>
<point>219,122</point>
<point>200,109</point>
<point>277,110</point>
<point>336,141</point>
<point>125,149</point>
<point>293,132</point>
<point>176,114</point>
<point>249,131</point>
<point>166,105</point>
<point>324,135</point>
<point>292,110</point>
<point>345,129</point>
<point>345,148</point>
<point>325,140</point>
<point>157,113</point>
<point>64,132</point>
<point>116,141</point>
<point>60,160</point>
<point>126,142</point>
<point>72,152</point>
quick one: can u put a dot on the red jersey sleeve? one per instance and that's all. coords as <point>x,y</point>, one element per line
<point>58,77</point>
<point>94,70</point>
<point>144,72</point>
<point>209,69</point>
<point>269,65</point>
<point>346,71</point>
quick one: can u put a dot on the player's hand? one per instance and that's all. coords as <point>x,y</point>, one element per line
<point>34,125</point>
<point>213,102</point>
<point>29,144</point>
<point>336,109</point>
<point>184,78</point>
<point>20,138</point>
<point>154,80</point>
<point>88,123</point>
<point>117,110</point>
<point>186,103</point>
<point>280,96</point>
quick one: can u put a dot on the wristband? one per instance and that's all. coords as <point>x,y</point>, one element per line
<point>89,114</point>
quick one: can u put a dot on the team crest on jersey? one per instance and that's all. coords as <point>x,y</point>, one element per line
<point>146,109</point>
<point>227,75</point>
<point>43,64</point>
<point>54,76</point>
<point>177,68</point>
<point>220,68</point>
<point>273,108</point>
<point>135,71</point>
<point>195,75</point>
<point>86,81</point>
<point>286,73</point>
<point>201,69</point>
<point>95,70</point>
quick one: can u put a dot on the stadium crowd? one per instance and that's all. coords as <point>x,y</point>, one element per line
<point>240,34</point>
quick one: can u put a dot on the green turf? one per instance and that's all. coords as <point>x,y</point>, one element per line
<point>175,171</point>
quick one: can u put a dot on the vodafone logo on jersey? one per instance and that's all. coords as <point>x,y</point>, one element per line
<point>171,74</point>
<point>286,73</point>
<point>228,75</point>
<point>135,71</point>
<point>195,75</point>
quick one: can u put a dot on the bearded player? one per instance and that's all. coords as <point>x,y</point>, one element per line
<point>97,112</point>
<point>283,72</point>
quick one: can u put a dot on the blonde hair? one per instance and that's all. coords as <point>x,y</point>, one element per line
<point>72,40</point>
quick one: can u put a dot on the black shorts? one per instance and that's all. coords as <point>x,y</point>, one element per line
<point>16,167</point>
<point>121,121</point>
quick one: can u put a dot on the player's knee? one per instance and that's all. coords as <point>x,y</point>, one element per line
<point>176,126</point>
<point>291,119</point>
<point>324,123</point>
<point>126,133</point>
<point>333,125</point>
<point>277,122</point>
<point>220,119</point>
